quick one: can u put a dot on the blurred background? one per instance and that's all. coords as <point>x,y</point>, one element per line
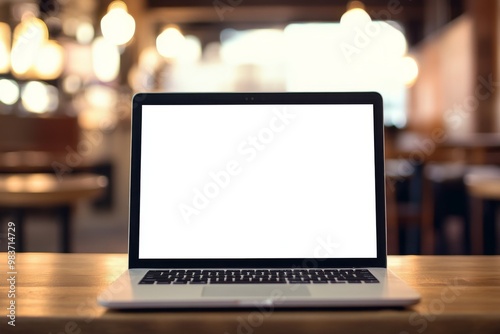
<point>68,70</point>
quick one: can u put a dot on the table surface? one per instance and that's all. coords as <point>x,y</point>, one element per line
<point>56,293</point>
<point>43,189</point>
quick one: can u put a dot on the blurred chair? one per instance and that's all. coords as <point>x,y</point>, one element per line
<point>29,145</point>
<point>446,194</point>
<point>403,206</point>
<point>483,186</point>
<point>35,133</point>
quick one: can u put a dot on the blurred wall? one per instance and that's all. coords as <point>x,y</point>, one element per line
<point>443,95</point>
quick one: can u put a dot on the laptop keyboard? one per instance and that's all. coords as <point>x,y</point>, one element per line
<point>263,276</point>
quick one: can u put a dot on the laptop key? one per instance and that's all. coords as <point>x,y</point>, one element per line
<point>259,276</point>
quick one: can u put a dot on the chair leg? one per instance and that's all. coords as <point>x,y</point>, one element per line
<point>427,237</point>
<point>18,219</point>
<point>65,213</point>
<point>477,231</point>
<point>392,220</point>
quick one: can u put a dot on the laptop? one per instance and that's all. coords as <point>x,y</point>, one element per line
<point>257,199</point>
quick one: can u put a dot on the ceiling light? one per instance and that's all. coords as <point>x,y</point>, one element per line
<point>9,91</point>
<point>118,26</point>
<point>170,42</point>
<point>49,62</point>
<point>105,59</point>
<point>4,47</point>
<point>29,36</point>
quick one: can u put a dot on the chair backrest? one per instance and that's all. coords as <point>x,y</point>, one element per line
<point>49,134</point>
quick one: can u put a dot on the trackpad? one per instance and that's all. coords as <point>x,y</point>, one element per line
<point>255,291</point>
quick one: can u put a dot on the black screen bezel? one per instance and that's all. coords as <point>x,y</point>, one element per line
<point>141,99</point>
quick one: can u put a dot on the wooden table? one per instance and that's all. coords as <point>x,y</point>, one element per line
<point>21,193</point>
<point>478,148</point>
<point>56,293</point>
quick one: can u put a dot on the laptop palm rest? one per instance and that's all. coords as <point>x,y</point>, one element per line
<point>255,291</point>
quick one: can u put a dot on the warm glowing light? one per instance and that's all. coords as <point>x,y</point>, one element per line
<point>38,97</point>
<point>85,33</point>
<point>49,62</point>
<point>170,42</point>
<point>31,183</point>
<point>71,84</point>
<point>117,5</point>
<point>14,183</point>
<point>101,97</point>
<point>98,110</point>
<point>9,91</point>
<point>39,182</point>
<point>118,26</point>
<point>355,17</point>
<point>4,47</point>
<point>92,119</point>
<point>356,58</point>
<point>409,70</point>
<point>391,40</point>
<point>105,59</point>
<point>29,36</point>
<point>246,47</point>
<point>191,52</point>
<point>149,59</point>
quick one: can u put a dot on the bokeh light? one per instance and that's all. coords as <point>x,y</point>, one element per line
<point>409,68</point>
<point>85,33</point>
<point>29,36</point>
<point>255,46</point>
<point>9,91</point>
<point>38,97</point>
<point>71,84</point>
<point>356,17</point>
<point>105,59</point>
<point>118,26</point>
<point>50,61</point>
<point>4,47</point>
<point>191,52</point>
<point>170,42</point>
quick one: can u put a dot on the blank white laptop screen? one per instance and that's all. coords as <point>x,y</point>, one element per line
<point>257,181</point>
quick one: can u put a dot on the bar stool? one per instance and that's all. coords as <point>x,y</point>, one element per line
<point>402,215</point>
<point>444,195</point>
<point>23,193</point>
<point>483,186</point>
